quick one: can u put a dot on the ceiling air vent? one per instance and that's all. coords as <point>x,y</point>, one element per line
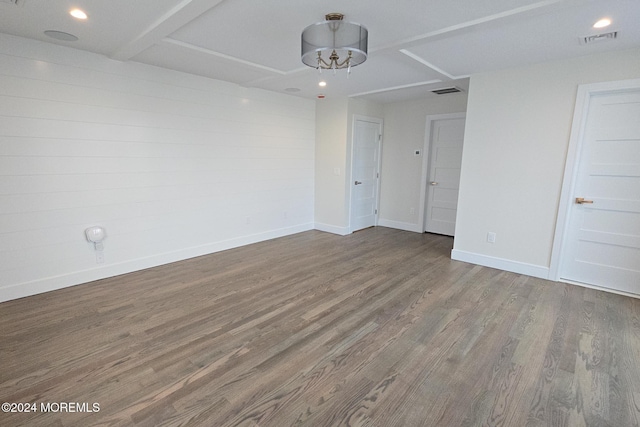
<point>446,90</point>
<point>598,37</point>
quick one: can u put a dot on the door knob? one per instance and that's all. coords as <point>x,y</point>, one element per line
<point>582,201</point>
<point>433,183</point>
<point>358,182</point>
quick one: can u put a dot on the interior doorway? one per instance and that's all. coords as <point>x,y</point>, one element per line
<point>599,226</point>
<point>445,136</point>
<point>365,172</point>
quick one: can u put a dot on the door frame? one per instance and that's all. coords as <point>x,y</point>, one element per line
<point>349,193</point>
<point>426,160</point>
<point>583,102</point>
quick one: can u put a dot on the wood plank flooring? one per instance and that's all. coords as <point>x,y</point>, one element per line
<point>378,328</point>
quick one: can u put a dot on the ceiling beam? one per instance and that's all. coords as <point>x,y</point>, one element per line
<point>175,18</point>
<point>388,89</point>
<point>430,65</point>
<point>208,52</point>
<point>469,25</point>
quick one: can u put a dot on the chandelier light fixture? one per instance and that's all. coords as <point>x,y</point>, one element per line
<point>334,44</point>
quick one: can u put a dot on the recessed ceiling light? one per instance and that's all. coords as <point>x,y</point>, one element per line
<point>60,35</point>
<point>77,13</point>
<point>322,83</point>
<point>604,22</point>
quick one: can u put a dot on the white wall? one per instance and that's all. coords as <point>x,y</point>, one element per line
<point>516,139</point>
<point>404,132</point>
<point>172,165</point>
<point>334,135</point>
<point>330,164</point>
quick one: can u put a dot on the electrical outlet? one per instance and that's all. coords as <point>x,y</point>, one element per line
<point>491,237</point>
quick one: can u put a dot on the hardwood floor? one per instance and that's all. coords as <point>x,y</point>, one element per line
<point>378,328</point>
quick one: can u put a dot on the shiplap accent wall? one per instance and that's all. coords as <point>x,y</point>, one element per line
<point>170,164</point>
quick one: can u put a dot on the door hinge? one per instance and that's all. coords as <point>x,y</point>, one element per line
<point>377,175</point>
<point>376,211</point>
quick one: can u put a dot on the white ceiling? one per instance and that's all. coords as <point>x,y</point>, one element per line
<point>415,46</point>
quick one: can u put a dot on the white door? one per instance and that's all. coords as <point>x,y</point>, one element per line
<point>602,243</point>
<point>364,174</point>
<point>446,137</point>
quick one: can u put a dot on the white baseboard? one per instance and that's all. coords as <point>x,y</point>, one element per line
<point>22,290</point>
<point>501,264</point>
<point>406,226</point>
<point>600,288</point>
<point>328,228</point>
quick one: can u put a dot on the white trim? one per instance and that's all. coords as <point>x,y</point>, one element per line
<point>455,29</point>
<point>205,51</point>
<point>22,290</point>
<point>426,157</point>
<point>333,229</point>
<point>583,98</point>
<point>539,271</point>
<point>379,122</point>
<point>428,64</point>
<point>181,14</point>
<point>406,226</point>
<point>387,89</point>
<point>600,288</point>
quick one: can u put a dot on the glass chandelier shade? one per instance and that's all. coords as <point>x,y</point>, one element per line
<point>334,44</point>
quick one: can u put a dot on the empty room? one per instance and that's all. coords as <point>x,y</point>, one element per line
<point>279,213</point>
